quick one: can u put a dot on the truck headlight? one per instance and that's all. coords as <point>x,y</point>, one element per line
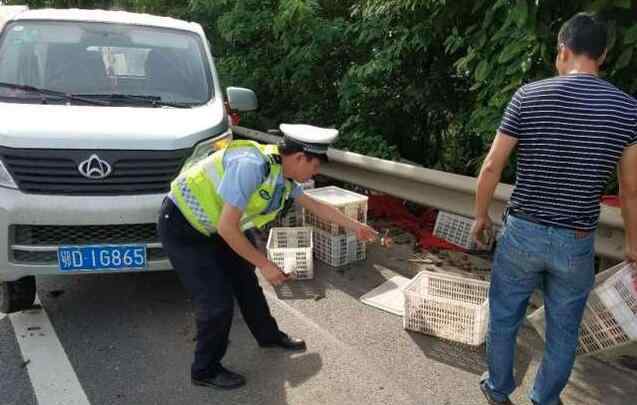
<point>5,178</point>
<point>207,147</point>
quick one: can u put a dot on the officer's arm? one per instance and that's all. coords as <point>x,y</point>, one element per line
<point>230,230</point>
<point>331,214</point>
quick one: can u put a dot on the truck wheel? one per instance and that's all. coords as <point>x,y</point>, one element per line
<point>17,295</point>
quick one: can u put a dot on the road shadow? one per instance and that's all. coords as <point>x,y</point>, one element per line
<point>130,339</point>
<point>595,382</point>
<point>456,355</point>
<point>270,373</point>
<point>355,279</point>
<point>300,290</point>
<point>592,380</point>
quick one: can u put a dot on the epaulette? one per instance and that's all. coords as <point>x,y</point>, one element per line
<point>272,159</point>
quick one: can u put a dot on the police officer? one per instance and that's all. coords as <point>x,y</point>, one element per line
<point>203,224</point>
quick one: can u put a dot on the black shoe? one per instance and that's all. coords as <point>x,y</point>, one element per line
<point>489,397</point>
<point>223,380</point>
<point>288,343</point>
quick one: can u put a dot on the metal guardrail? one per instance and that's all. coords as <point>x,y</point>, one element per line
<point>437,189</point>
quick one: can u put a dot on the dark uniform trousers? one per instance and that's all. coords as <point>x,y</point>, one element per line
<point>213,273</point>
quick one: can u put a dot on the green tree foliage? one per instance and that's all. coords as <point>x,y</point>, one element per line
<point>401,83</point>
<point>292,52</point>
<point>425,80</point>
<point>515,40</point>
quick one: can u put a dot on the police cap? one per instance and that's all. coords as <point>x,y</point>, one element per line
<point>311,139</point>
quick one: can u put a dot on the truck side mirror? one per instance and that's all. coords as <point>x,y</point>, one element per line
<point>241,99</point>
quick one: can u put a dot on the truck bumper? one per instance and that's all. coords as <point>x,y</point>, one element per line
<point>33,226</point>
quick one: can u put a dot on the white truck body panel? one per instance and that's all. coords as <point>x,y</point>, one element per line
<point>86,129</point>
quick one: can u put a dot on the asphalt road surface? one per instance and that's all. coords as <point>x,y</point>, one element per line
<point>128,339</point>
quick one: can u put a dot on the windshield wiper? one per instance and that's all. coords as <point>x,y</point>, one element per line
<point>155,101</point>
<point>52,93</point>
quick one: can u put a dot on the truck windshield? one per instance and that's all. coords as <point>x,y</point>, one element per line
<point>101,60</point>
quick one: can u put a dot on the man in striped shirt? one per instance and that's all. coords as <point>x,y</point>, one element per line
<point>570,131</point>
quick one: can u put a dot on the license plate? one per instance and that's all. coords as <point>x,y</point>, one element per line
<point>102,257</point>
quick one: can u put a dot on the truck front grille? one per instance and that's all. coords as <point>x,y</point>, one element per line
<point>37,244</point>
<point>84,235</point>
<point>57,171</point>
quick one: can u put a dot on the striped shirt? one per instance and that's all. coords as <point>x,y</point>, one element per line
<point>571,130</point>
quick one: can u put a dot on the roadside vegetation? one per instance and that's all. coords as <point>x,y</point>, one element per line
<point>421,80</point>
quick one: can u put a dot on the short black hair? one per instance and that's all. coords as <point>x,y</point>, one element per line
<point>584,33</point>
<point>289,148</point>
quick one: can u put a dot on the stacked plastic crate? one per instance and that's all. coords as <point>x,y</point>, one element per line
<point>332,243</point>
<point>294,216</point>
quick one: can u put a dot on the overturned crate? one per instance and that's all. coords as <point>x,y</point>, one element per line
<point>448,307</point>
<point>338,250</point>
<point>610,317</point>
<point>291,250</point>
<point>457,230</point>
<point>352,204</point>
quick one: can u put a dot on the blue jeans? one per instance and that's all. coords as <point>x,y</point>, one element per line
<point>559,261</point>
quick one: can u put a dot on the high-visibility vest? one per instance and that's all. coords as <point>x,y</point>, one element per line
<point>195,190</point>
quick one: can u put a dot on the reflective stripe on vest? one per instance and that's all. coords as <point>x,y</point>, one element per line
<point>194,206</point>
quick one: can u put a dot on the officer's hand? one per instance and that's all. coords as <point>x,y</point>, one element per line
<point>273,274</point>
<point>481,231</point>
<point>365,233</point>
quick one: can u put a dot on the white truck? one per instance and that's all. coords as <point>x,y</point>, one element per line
<point>99,111</point>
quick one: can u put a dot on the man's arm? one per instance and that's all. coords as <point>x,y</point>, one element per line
<point>332,214</point>
<point>627,180</point>
<point>230,230</point>
<point>489,177</point>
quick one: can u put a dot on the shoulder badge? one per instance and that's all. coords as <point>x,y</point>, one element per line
<point>265,195</point>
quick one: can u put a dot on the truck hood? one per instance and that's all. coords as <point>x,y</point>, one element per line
<point>97,127</point>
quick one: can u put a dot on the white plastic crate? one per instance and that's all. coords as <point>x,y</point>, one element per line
<point>447,306</point>
<point>291,250</point>
<point>352,204</point>
<point>457,230</point>
<point>338,250</point>
<point>294,217</point>
<point>610,317</point>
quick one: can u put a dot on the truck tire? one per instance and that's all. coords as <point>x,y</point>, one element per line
<point>17,295</point>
